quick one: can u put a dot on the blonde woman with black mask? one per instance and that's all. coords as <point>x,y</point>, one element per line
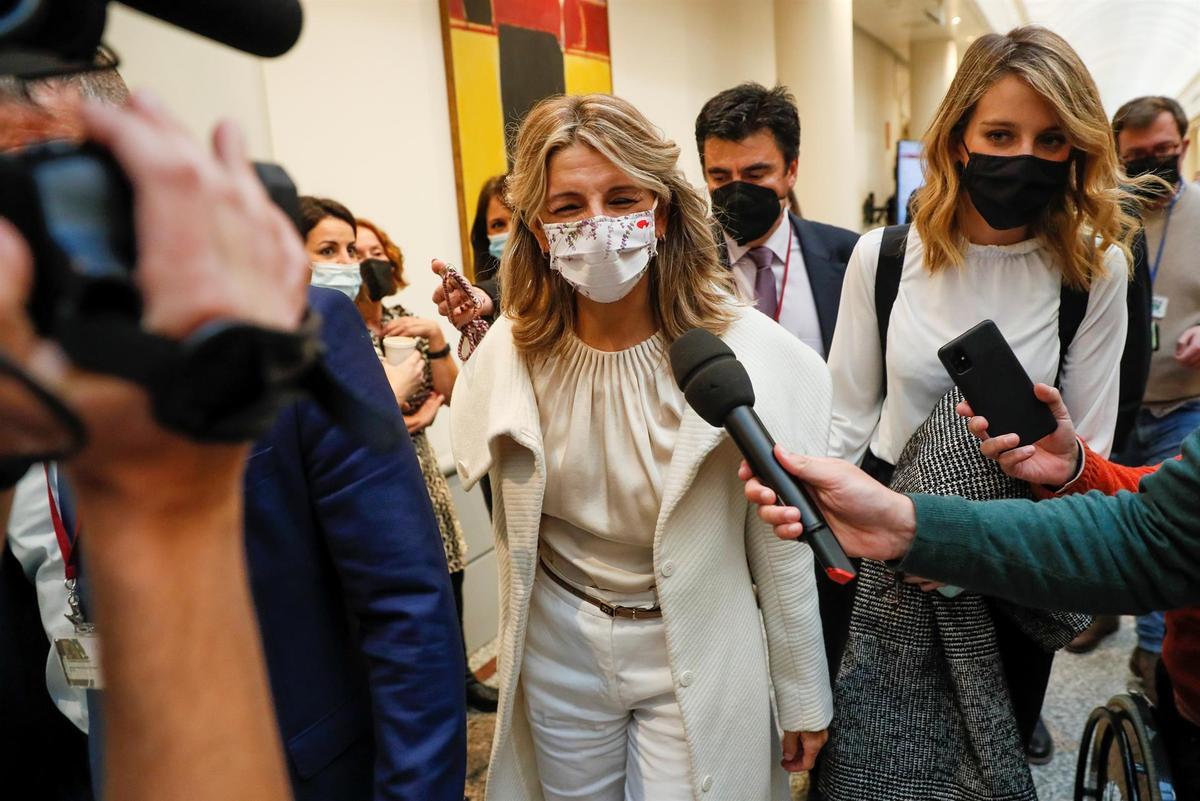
<point>1020,221</point>
<point>633,662</point>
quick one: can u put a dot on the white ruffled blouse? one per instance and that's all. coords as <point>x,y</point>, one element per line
<point>609,425</point>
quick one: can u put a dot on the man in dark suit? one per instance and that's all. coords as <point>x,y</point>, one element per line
<point>748,138</point>
<point>790,268</point>
<point>353,598</point>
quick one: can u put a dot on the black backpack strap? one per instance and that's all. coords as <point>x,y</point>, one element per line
<point>888,268</point>
<point>887,283</point>
<point>1072,306</point>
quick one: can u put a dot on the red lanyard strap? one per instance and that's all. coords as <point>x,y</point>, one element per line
<point>66,544</point>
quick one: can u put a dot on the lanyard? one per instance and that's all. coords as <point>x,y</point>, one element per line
<point>1163,240</point>
<point>786,265</point>
<point>66,540</point>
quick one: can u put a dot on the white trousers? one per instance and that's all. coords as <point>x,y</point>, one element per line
<point>601,703</point>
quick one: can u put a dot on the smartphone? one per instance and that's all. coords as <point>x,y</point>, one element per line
<point>993,381</point>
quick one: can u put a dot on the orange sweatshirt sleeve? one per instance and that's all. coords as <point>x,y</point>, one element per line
<point>1101,474</point>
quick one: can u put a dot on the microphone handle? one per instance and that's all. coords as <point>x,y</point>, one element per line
<point>757,446</point>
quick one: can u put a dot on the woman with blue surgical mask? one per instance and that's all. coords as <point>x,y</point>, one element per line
<point>330,233</point>
<point>638,589</point>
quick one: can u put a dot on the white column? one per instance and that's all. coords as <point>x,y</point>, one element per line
<point>932,64</point>
<point>814,42</point>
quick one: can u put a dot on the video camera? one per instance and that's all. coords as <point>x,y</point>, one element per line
<point>74,206</point>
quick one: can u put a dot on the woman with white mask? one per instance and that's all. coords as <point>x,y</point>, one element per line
<point>633,659</point>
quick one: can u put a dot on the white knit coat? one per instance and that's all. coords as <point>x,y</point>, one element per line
<point>711,552</point>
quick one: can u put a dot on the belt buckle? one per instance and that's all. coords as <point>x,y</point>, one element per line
<point>607,609</point>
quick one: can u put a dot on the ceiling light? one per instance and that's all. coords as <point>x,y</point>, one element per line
<point>955,20</point>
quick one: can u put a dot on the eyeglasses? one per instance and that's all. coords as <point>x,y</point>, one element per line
<point>1159,151</point>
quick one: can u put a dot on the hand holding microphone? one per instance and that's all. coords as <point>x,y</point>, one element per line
<point>718,388</point>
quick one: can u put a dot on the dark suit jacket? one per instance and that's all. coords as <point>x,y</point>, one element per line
<point>826,249</point>
<point>353,597</point>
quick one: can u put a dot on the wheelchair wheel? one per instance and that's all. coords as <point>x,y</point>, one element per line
<point>1121,754</point>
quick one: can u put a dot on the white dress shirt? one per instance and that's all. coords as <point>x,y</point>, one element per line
<point>31,537</point>
<point>1017,287</point>
<point>799,310</point>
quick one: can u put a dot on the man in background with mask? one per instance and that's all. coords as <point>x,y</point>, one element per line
<point>790,268</point>
<point>1151,139</point>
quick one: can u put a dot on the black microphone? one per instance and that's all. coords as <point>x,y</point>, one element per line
<point>265,28</point>
<point>718,388</point>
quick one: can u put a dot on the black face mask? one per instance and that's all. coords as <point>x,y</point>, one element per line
<point>746,211</point>
<point>1165,167</point>
<point>378,278</point>
<point>1011,191</point>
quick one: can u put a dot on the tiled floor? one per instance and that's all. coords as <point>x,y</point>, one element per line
<point>479,743</point>
<point>1079,684</point>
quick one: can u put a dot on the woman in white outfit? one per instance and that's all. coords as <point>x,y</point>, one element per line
<point>634,661</point>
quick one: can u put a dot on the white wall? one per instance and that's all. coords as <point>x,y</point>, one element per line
<point>932,64</point>
<point>669,56</point>
<point>881,112</point>
<point>201,82</point>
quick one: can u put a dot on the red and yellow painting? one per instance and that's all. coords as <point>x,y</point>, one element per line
<point>502,56</point>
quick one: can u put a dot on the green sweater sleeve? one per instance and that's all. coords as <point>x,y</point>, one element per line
<point>1126,553</point>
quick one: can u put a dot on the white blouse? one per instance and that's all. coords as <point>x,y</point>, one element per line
<point>1015,286</point>
<point>609,424</point>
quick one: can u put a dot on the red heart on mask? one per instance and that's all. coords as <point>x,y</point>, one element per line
<point>642,223</point>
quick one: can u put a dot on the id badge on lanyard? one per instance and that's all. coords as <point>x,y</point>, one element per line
<point>1159,303</point>
<point>79,654</point>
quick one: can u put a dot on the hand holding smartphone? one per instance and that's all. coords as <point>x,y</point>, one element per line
<point>982,364</point>
<point>984,367</point>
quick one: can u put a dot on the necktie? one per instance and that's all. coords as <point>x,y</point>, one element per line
<point>765,298</point>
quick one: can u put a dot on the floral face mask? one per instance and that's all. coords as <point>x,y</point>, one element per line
<point>603,258</point>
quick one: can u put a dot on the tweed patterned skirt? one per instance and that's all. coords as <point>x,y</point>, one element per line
<point>921,706</point>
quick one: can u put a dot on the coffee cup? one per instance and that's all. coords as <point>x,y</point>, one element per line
<point>397,349</point>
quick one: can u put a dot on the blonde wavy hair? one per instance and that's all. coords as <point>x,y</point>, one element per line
<point>688,287</point>
<point>1092,215</point>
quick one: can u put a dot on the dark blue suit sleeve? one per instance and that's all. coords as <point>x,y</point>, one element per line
<point>379,525</point>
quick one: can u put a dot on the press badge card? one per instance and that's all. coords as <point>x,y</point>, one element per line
<point>1158,306</point>
<point>80,658</point>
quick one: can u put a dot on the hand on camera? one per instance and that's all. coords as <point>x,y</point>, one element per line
<point>464,310</point>
<point>211,246</point>
<point>1052,460</point>
<point>868,518</point>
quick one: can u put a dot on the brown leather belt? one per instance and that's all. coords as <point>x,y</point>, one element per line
<point>623,612</point>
